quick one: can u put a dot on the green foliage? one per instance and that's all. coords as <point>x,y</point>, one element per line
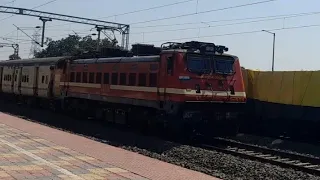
<point>71,45</point>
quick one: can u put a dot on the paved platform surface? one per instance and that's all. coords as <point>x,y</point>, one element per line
<point>32,151</point>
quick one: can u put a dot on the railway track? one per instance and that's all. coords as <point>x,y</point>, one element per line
<point>281,158</point>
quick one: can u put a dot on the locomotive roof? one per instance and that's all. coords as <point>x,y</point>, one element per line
<point>184,51</point>
<point>39,61</point>
<point>118,59</point>
<point>153,58</point>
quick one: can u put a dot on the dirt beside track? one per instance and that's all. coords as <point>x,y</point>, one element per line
<point>210,162</point>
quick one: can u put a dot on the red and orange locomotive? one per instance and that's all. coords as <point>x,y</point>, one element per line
<point>192,85</point>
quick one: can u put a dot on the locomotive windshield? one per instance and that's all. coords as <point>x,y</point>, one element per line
<point>199,64</point>
<point>205,64</point>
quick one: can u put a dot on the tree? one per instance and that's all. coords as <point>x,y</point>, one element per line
<point>71,45</point>
<point>14,57</point>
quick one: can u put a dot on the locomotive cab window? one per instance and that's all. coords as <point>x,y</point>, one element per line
<point>197,63</point>
<point>224,64</point>
<point>142,79</point>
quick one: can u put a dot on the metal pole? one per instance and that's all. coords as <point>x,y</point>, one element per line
<point>98,40</point>
<point>44,20</point>
<point>274,43</point>
<point>43,29</point>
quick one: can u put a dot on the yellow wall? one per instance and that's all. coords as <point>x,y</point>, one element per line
<point>285,87</point>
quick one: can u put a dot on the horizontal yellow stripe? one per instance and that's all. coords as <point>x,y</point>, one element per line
<point>155,89</point>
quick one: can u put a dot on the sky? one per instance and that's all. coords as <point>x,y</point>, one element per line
<point>232,23</point>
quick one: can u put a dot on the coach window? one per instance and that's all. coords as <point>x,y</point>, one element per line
<point>72,78</point>
<point>47,79</point>
<point>91,77</point>
<point>78,77</point>
<point>42,80</point>
<point>15,77</point>
<point>142,79</point>
<point>106,78</point>
<point>85,77</point>
<point>123,78</point>
<point>132,79</point>
<point>153,80</point>
<point>98,78</point>
<point>114,78</point>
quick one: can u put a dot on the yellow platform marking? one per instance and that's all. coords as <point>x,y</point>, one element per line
<point>37,151</point>
<point>20,168</point>
<point>62,163</point>
<point>68,158</point>
<point>37,158</point>
<point>9,155</point>
<point>116,170</point>
<point>19,143</point>
<point>4,174</point>
<point>39,140</point>
<point>100,171</point>
<point>59,148</point>
<point>92,176</point>
<point>85,158</point>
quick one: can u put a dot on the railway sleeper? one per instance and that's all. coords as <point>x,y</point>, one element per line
<point>302,164</point>
<point>312,166</point>
<point>271,157</point>
<point>263,155</point>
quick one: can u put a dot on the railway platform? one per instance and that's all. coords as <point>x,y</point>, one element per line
<point>32,151</point>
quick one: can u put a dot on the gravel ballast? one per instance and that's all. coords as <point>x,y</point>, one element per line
<point>209,162</point>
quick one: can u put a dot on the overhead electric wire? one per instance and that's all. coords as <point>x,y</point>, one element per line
<point>220,25</point>
<point>49,2</point>
<point>262,19</point>
<point>135,11</point>
<point>147,9</point>
<point>9,2</point>
<point>237,33</point>
<point>31,8</point>
<point>235,19</point>
<point>203,12</point>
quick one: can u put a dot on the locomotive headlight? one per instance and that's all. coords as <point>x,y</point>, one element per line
<point>197,88</point>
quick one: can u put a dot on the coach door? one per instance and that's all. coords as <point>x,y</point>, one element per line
<point>165,72</point>
<point>17,81</point>
<point>36,80</point>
